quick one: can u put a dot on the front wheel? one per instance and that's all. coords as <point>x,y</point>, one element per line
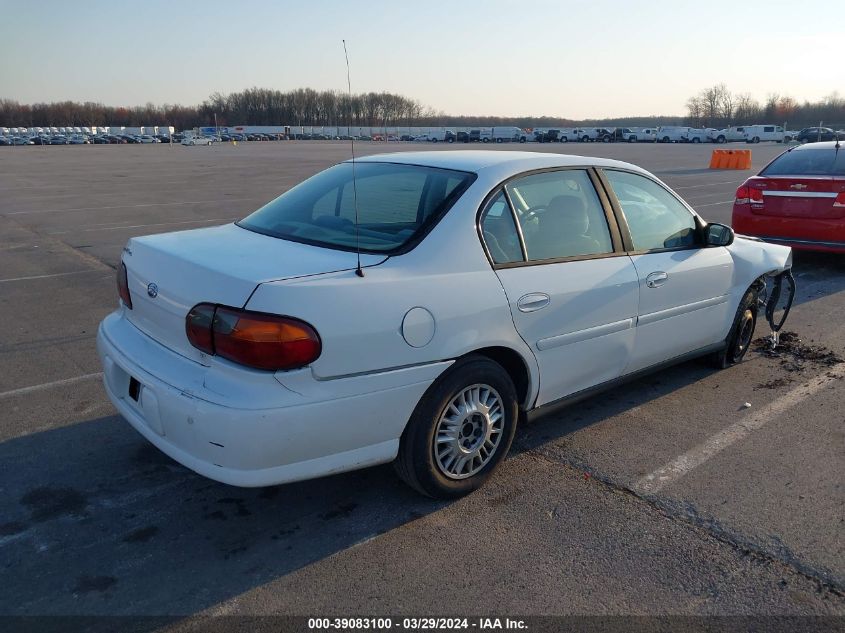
<point>665,139</point>
<point>632,139</point>
<point>741,334</point>
<point>462,428</point>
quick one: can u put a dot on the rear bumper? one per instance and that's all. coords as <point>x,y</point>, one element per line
<point>799,233</point>
<point>272,436</point>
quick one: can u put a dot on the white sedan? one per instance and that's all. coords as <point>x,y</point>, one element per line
<point>196,140</point>
<point>412,308</point>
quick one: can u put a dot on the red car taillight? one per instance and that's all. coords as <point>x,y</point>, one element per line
<point>254,339</point>
<point>840,200</point>
<point>746,194</point>
<point>123,286</point>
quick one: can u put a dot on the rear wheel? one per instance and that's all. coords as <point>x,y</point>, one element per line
<point>695,139</point>
<point>756,139</point>
<point>665,139</point>
<point>632,139</point>
<point>563,139</point>
<point>720,139</point>
<point>742,332</point>
<point>461,429</point>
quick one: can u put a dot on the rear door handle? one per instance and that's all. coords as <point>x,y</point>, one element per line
<point>533,301</point>
<point>657,278</point>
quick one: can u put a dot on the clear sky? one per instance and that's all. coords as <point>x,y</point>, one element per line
<point>598,58</point>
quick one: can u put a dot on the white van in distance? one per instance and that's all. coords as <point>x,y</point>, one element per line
<point>509,133</point>
<point>757,133</point>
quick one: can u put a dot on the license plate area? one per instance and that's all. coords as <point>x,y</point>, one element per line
<point>134,389</point>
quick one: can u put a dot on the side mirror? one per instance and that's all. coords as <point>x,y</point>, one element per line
<point>718,235</point>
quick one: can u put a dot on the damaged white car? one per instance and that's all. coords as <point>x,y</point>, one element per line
<point>412,307</point>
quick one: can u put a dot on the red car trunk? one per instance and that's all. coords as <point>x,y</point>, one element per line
<point>811,197</point>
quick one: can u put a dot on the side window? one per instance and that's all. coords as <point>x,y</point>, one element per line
<point>499,231</point>
<point>655,217</point>
<point>560,215</point>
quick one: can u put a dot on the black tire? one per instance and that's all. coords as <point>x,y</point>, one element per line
<point>695,139</point>
<point>721,139</point>
<point>416,463</point>
<point>632,139</point>
<point>585,139</point>
<point>563,139</point>
<point>756,139</point>
<point>741,334</point>
<point>498,140</point>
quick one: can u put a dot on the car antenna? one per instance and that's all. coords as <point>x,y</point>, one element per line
<point>358,270</point>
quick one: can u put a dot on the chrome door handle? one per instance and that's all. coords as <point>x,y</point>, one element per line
<point>657,278</point>
<point>533,301</point>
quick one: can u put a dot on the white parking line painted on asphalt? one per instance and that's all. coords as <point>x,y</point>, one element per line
<point>49,385</point>
<point>73,272</point>
<point>718,442</point>
<point>132,206</point>
<point>712,204</point>
<point>709,184</point>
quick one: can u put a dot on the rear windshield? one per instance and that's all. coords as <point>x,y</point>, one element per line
<point>808,162</point>
<point>397,206</point>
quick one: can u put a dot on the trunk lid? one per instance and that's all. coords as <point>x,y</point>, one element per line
<point>811,197</point>
<point>222,265</point>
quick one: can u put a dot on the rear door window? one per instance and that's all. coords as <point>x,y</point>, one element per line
<point>560,215</point>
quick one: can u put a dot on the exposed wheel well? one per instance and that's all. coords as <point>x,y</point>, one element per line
<point>512,363</point>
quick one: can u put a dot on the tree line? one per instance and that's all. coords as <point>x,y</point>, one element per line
<point>719,107</point>
<point>301,107</point>
<point>712,107</point>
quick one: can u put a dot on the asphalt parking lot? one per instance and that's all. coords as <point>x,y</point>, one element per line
<point>665,497</point>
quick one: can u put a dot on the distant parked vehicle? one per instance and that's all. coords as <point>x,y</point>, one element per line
<point>643,135</point>
<point>672,134</point>
<point>604,135</point>
<point>40,140</point>
<point>585,134</point>
<point>508,134</point>
<point>727,135</point>
<point>100,140</point>
<point>58,140</point>
<point>547,136</point>
<point>696,135</point>
<point>757,133</point>
<point>474,136</point>
<point>462,137</point>
<point>196,140</point>
<point>146,138</point>
<point>817,134</point>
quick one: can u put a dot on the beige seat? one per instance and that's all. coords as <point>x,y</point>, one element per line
<point>563,230</point>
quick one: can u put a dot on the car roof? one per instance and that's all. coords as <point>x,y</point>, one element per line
<point>478,160</point>
<point>821,145</point>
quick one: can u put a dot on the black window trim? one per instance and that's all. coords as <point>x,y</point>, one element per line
<point>616,237</point>
<point>623,222</point>
<point>432,221</point>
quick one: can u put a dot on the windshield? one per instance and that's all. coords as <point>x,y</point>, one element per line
<point>808,162</point>
<point>397,206</point>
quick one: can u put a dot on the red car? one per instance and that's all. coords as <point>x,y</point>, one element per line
<point>798,199</point>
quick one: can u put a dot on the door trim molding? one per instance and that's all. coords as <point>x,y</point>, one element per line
<point>653,317</point>
<point>583,335</point>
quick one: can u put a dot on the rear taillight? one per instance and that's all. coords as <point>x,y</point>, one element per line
<point>198,327</point>
<point>840,200</point>
<point>123,286</point>
<point>748,194</point>
<point>254,339</point>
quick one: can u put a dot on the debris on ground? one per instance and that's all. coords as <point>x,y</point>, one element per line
<point>794,354</point>
<point>777,383</point>
<point>747,405</point>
